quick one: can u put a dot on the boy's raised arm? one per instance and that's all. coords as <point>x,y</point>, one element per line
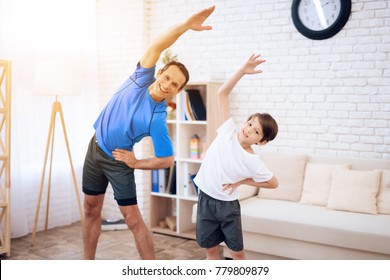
<point>224,91</point>
<point>166,39</point>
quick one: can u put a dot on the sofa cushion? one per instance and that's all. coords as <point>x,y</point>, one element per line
<point>354,190</point>
<point>317,182</point>
<point>383,198</point>
<point>289,170</point>
<point>316,224</point>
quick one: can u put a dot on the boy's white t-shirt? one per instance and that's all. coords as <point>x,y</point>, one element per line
<point>226,162</point>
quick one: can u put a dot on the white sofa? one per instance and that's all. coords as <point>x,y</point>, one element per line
<point>324,208</point>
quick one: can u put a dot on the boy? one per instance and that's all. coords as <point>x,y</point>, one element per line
<point>229,162</point>
<point>137,110</point>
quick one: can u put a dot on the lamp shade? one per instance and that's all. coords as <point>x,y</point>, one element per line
<point>57,77</point>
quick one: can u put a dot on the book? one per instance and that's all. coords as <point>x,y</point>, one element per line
<point>197,105</point>
<point>155,180</point>
<point>172,183</point>
<point>162,179</point>
<point>186,181</point>
<point>183,104</point>
<point>170,177</point>
<point>189,114</point>
<point>167,174</point>
<point>114,224</point>
<point>192,177</point>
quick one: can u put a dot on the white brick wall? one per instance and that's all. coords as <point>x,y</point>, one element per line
<point>330,97</point>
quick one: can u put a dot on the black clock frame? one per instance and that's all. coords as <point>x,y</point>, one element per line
<point>345,11</point>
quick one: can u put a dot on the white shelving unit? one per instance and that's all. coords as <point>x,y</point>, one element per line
<point>181,130</point>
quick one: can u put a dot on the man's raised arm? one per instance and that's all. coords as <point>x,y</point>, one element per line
<point>166,39</point>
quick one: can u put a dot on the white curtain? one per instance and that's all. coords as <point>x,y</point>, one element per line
<point>32,31</point>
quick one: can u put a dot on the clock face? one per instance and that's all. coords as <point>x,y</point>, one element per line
<point>320,19</point>
<point>319,15</point>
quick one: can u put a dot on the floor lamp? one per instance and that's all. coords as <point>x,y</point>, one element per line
<point>55,78</point>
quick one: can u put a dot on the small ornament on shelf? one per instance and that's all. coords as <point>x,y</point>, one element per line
<point>195,146</point>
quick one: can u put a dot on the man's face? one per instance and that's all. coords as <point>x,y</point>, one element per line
<point>168,83</point>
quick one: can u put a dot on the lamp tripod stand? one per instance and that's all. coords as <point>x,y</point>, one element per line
<point>56,108</point>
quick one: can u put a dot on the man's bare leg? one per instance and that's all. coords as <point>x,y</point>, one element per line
<point>92,224</point>
<point>142,235</point>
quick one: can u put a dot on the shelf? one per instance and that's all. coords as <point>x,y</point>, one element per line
<point>181,132</point>
<point>164,231</point>
<point>192,122</point>
<point>5,171</point>
<point>167,195</point>
<point>190,160</point>
<point>184,122</point>
<point>175,196</point>
<point>191,234</point>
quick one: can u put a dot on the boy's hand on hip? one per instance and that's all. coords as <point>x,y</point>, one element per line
<point>232,187</point>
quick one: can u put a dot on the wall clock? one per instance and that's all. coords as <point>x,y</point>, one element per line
<point>320,19</point>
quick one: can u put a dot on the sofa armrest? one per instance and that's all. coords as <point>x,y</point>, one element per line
<point>247,191</point>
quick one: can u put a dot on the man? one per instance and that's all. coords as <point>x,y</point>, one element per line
<point>137,110</point>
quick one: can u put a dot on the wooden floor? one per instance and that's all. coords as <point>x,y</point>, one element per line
<point>65,243</point>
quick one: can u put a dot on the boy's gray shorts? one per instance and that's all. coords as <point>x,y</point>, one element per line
<point>218,221</point>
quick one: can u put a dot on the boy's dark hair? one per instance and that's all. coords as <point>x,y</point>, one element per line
<point>182,68</point>
<point>268,124</point>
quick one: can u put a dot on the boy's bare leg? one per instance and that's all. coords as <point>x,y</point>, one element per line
<point>213,253</point>
<point>237,255</point>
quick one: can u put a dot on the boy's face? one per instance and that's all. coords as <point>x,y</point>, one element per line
<point>167,83</point>
<point>251,133</point>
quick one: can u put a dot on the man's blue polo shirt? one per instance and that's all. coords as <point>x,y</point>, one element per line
<point>132,114</point>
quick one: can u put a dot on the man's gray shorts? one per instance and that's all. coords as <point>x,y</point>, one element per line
<point>218,221</point>
<point>99,169</point>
